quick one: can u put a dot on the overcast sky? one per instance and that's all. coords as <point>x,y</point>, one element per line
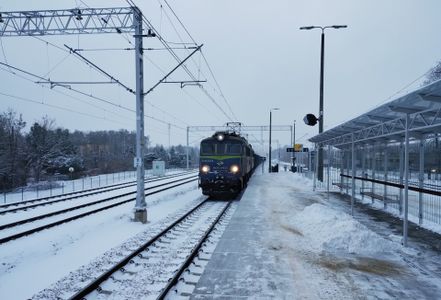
<point>258,54</point>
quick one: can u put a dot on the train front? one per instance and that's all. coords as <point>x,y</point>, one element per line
<point>220,171</point>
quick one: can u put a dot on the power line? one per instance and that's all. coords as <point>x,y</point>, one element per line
<point>89,63</point>
<point>203,56</point>
<point>64,94</point>
<point>88,95</point>
<point>59,107</point>
<point>112,78</point>
<point>177,58</point>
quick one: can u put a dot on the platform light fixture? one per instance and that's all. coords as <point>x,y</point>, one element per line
<point>270,124</point>
<point>320,117</point>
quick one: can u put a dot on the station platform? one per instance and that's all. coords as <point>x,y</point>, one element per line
<point>286,241</point>
<point>245,263</point>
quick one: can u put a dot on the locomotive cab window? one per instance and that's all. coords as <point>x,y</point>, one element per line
<point>234,148</point>
<point>208,148</point>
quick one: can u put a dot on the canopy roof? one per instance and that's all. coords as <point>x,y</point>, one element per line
<point>387,123</point>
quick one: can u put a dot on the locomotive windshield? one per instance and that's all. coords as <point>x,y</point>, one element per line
<point>220,149</point>
<point>234,148</point>
<point>208,148</point>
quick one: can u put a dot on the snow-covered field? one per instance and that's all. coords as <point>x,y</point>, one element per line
<point>316,246</point>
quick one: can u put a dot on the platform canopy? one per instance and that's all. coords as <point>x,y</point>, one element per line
<point>387,123</point>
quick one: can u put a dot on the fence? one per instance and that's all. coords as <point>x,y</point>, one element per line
<point>379,178</point>
<point>53,188</point>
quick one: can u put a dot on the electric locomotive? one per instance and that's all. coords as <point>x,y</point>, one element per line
<point>226,163</point>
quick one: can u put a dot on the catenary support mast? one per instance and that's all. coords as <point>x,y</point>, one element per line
<point>92,21</point>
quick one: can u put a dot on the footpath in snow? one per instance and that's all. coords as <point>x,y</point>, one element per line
<point>287,242</point>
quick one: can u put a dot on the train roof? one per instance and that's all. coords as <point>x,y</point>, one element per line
<point>226,134</point>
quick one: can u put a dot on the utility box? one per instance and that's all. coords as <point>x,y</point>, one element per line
<point>158,168</point>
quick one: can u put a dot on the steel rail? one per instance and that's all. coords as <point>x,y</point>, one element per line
<point>93,190</point>
<point>62,211</point>
<point>37,229</point>
<point>174,280</point>
<point>103,277</point>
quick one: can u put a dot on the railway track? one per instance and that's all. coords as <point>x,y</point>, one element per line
<point>103,204</point>
<point>154,268</point>
<point>23,205</point>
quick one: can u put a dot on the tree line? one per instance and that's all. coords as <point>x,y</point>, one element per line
<point>46,152</point>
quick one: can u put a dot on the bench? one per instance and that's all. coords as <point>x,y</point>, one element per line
<point>387,199</point>
<point>342,186</point>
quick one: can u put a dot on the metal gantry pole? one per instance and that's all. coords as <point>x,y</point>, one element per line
<point>342,169</point>
<point>386,160</point>
<point>321,117</point>
<point>315,167</point>
<point>269,154</point>
<point>374,166</point>
<point>140,206</point>
<point>328,169</point>
<point>347,172</point>
<point>421,182</point>
<point>406,181</point>
<point>363,169</point>
<point>353,176</point>
<point>401,176</point>
<point>188,148</point>
<point>294,145</point>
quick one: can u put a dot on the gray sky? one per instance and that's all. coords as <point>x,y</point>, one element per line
<point>259,57</point>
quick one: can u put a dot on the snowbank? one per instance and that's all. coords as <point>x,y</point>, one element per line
<point>335,231</point>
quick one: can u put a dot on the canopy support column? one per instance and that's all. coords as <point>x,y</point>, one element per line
<point>353,175</point>
<point>386,160</point>
<point>421,182</point>
<point>406,181</point>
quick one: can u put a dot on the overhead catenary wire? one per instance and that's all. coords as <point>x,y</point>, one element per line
<point>97,68</point>
<point>89,95</point>
<point>184,91</point>
<point>59,107</point>
<point>203,56</point>
<point>178,59</point>
<point>93,65</point>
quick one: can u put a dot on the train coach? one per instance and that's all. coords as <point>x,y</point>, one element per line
<point>226,163</point>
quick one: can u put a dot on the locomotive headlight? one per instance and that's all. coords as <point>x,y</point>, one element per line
<point>234,169</point>
<point>220,137</point>
<point>205,169</point>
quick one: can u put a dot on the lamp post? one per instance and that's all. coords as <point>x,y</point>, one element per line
<point>322,60</point>
<point>269,154</point>
<point>293,158</point>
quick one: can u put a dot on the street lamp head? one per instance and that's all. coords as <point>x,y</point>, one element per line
<point>339,26</point>
<point>275,108</point>
<point>307,27</point>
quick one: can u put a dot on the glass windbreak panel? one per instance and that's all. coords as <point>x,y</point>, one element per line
<point>234,149</point>
<point>208,149</point>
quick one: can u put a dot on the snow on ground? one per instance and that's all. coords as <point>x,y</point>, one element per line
<point>32,263</point>
<point>309,246</point>
<point>324,253</point>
